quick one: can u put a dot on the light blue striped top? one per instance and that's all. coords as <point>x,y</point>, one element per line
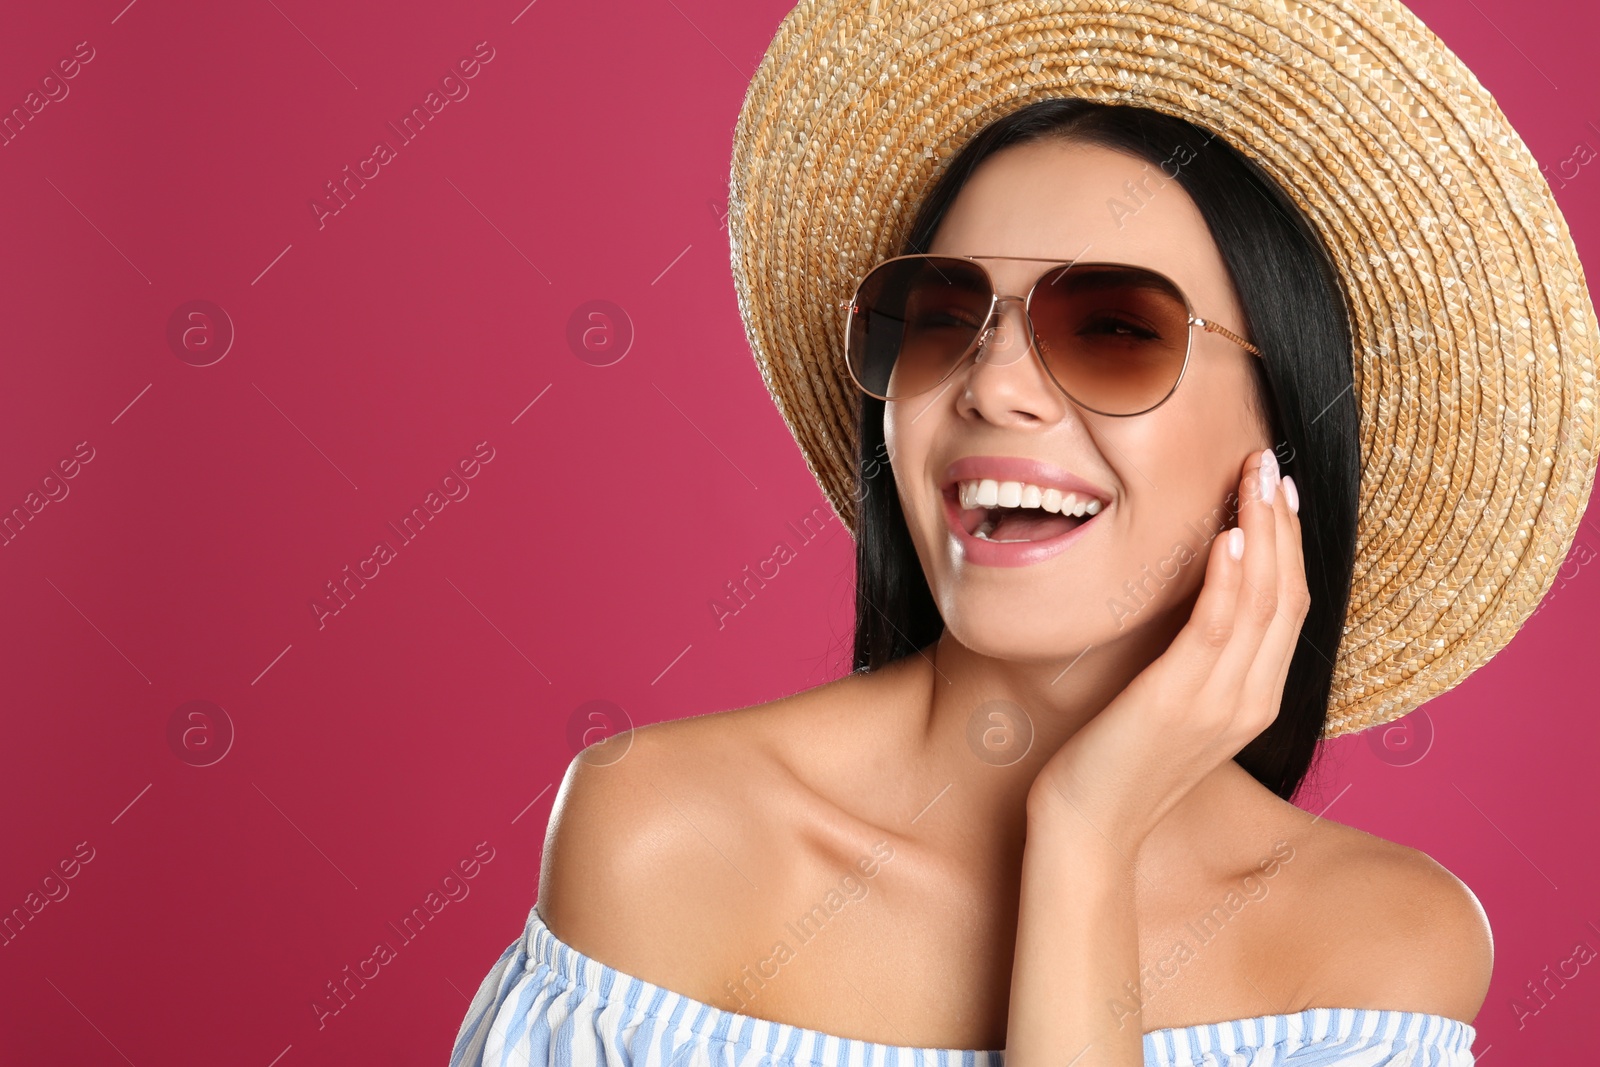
<point>545,1004</point>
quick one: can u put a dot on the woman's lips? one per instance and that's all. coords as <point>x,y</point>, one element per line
<point>963,521</point>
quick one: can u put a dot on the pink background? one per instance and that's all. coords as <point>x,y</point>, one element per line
<point>365,757</point>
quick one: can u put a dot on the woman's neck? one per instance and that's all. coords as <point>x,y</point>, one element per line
<point>988,725</point>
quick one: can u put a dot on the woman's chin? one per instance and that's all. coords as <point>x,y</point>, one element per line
<point>1004,634</point>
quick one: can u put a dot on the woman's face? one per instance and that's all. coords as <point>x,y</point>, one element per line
<point>1166,480</point>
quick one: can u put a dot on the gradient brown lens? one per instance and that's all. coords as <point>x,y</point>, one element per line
<point>1114,337</point>
<point>914,321</point>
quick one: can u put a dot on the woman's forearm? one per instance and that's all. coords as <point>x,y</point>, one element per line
<point>1074,979</point>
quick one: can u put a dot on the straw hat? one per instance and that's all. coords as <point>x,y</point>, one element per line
<point>1471,322</point>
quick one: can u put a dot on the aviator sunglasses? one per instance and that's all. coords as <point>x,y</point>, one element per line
<point>1114,337</point>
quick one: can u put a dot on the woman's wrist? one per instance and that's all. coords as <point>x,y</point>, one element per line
<point>1077,947</point>
<point>1053,818</point>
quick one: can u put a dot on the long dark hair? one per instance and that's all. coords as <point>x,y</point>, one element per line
<point>1294,312</point>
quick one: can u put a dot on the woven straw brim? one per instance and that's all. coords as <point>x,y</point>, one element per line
<point>1474,335</point>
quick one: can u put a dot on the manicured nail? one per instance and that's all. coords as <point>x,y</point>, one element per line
<point>1236,543</point>
<point>1269,475</point>
<point>1291,495</point>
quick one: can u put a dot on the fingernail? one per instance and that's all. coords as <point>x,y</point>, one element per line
<point>1269,475</point>
<point>1236,543</point>
<point>1291,495</point>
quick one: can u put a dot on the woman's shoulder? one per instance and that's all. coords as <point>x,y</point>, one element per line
<point>1389,926</point>
<point>667,844</point>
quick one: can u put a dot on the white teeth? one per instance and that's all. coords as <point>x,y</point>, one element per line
<point>989,493</point>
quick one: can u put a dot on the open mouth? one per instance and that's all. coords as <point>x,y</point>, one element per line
<point>1012,513</point>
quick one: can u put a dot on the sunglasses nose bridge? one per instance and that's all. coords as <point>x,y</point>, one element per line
<point>997,320</point>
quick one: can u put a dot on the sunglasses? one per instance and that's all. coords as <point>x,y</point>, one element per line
<point>1114,337</point>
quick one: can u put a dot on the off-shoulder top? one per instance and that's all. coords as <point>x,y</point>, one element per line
<point>545,1004</point>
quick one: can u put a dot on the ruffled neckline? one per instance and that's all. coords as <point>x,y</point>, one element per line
<point>1165,1045</point>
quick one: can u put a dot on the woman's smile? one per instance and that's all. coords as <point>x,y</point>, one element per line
<point>1010,511</point>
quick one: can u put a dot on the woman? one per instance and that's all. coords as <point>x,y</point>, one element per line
<point>1105,497</point>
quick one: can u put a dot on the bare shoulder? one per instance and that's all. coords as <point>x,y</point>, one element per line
<point>664,843</point>
<point>632,818</point>
<point>1401,930</point>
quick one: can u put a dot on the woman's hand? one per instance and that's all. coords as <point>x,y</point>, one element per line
<point>1075,976</point>
<point>1216,687</point>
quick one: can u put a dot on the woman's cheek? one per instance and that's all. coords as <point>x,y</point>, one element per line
<point>1163,563</point>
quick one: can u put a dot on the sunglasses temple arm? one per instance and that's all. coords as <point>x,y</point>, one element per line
<point>1229,334</point>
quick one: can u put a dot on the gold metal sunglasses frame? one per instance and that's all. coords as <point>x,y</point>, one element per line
<point>996,299</point>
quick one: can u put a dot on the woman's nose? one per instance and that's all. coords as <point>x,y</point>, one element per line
<point>1005,383</point>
